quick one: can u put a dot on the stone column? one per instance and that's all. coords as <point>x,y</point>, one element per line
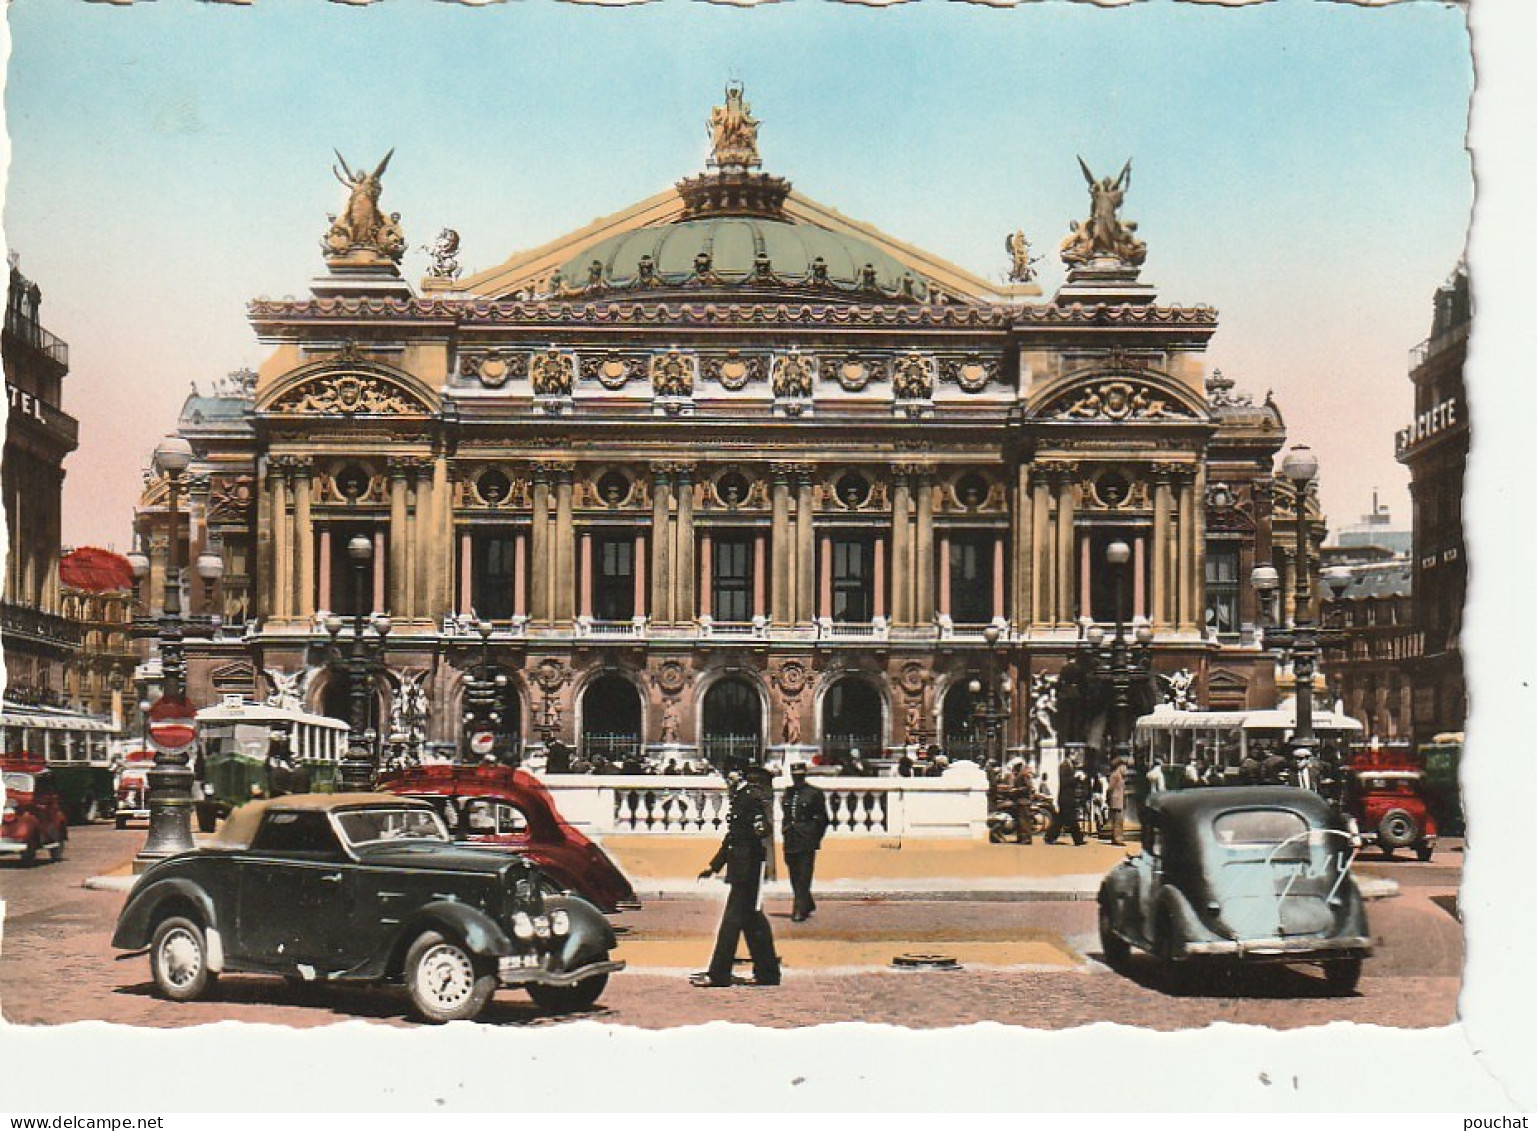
<point>1161,499</point>
<point>1198,548</point>
<point>1042,603</point>
<point>661,544</point>
<point>425,543</point>
<point>413,608</point>
<point>880,576</point>
<point>824,605</point>
<point>1022,532</point>
<point>998,599</point>
<point>923,604</point>
<point>805,551</point>
<point>1138,573</point>
<point>586,573</point>
<point>781,593</point>
<point>683,576</point>
<point>379,549</point>
<point>1186,583</point>
<point>1066,536</point>
<point>304,531</point>
<point>519,573</point>
<point>438,549</point>
<point>282,553</point>
<point>326,601</point>
<point>705,607</point>
<point>759,558</point>
<point>466,573</point>
<point>1085,584</point>
<point>539,549</point>
<point>399,546</point>
<point>638,572</point>
<point>901,547</point>
<point>563,584</point>
<point>944,575</point>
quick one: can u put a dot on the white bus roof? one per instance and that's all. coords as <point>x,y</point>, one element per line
<point>1244,720</point>
<point>263,713</point>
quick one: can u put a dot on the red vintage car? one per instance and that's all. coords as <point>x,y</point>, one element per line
<point>33,817</point>
<point>1390,807</point>
<point>508,808</point>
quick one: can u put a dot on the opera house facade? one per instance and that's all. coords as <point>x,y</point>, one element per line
<point>728,472</point>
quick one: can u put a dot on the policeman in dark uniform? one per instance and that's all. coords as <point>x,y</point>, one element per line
<point>1070,789</point>
<point>742,854</point>
<point>805,820</point>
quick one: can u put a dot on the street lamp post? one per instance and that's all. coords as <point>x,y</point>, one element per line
<point>1303,638</point>
<point>990,709</point>
<point>480,715</point>
<point>358,765</point>
<point>1125,661</point>
<point>171,779</point>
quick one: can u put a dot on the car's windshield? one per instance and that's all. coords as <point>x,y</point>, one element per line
<point>368,826</point>
<point>18,783</point>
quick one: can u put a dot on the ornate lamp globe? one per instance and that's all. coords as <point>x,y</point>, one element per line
<point>138,565</point>
<point>173,454</point>
<point>1300,464</point>
<point>1118,553</point>
<point>1265,579</point>
<point>360,548</point>
<point>210,566</point>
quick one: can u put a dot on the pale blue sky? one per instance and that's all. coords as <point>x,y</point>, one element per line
<point>1299,165</point>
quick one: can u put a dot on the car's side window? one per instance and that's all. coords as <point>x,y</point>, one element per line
<point>510,819</point>
<point>307,834</point>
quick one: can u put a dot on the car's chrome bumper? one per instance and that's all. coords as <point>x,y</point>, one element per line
<point>1283,950</point>
<point>509,974</point>
<point>12,847</point>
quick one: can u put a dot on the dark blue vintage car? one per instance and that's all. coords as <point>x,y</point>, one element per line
<point>364,888</point>
<point>1256,874</point>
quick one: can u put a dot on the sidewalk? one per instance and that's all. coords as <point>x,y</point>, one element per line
<point>875,868</point>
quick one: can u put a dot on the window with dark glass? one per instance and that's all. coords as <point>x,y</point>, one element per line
<point>1104,577</point>
<point>346,584</point>
<point>853,575</point>
<point>492,574</point>
<point>613,582</point>
<point>971,582</point>
<point>1222,585</point>
<point>731,578</point>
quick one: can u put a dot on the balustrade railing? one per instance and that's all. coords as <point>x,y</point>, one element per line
<point>952,806</point>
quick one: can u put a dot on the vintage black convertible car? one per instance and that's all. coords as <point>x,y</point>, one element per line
<point>1258,874</point>
<point>364,887</point>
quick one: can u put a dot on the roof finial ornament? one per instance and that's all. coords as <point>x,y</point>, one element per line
<point>1022,263</point>
<point>734,133</point>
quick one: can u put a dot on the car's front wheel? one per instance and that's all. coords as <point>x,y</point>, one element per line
<point>178,959</point>
<point>445,980</point>
<point>1343,975</point>
<point>1424,851</point>
<point>565,999</point>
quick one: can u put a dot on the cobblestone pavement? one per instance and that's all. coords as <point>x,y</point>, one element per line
<point>1028,963</point>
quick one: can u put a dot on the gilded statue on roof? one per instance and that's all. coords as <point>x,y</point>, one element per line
<point>1104,234</point>
<point>362,226</point>
<point>734,133</point>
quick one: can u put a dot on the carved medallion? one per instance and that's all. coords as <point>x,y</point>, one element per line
<point>671,677</point>
<point>1122,400</point>
<point>791,677</point>
<point>973,373</point>
<point>551,675</point>
<point>612,370</point>
<point>914,677</point>
<point>735,371</point>
<point>854,374</point>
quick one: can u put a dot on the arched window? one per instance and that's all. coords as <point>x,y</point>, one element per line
<point>732,724</point>
<point>851,721</point>
<point>611,720</point>
<point>962,737</point>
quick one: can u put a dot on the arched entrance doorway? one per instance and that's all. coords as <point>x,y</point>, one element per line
<point>962,736</point>
<point>611,721</point>
<point>731,724</point>
<point>852,721</point>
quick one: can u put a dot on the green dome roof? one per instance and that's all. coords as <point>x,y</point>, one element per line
<point>742,252</point>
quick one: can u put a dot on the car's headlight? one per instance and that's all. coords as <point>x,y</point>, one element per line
<point>523,926</point>
<point>560,923</point>
<point>542,927</point>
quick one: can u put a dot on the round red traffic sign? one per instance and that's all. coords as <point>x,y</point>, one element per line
<point>481,742</point>
<point>172,725</point>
